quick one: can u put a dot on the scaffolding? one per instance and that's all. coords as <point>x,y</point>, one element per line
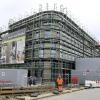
<point>52,43</point>
<point>40,50</point>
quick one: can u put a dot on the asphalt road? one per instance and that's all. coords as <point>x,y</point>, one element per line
<point>88,94</point>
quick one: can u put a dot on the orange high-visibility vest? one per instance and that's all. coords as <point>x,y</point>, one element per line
<point>60,81</point>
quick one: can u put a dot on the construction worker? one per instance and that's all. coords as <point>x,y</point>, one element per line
<point>59,83</point>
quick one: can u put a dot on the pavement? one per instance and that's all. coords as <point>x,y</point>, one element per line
<point>50,94</point>
<point>86,94</point>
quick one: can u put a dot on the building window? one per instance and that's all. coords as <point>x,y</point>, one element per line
<point>53,53</point>
<point>42,45</point>
<point>40,53</point>
<point>36,45</point>
<point>53,45</point>
<point>47,34</point>
<point>36,35</point>
<point>36,53</point>
<point>58,34</point>
<point>47,45</point>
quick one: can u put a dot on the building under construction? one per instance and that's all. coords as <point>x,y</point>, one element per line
<point>46,44</point>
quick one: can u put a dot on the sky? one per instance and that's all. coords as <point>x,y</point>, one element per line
<point>85,13</point>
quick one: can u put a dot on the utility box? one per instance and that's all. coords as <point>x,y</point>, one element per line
<point>87,69</point>
<point>13,77</point>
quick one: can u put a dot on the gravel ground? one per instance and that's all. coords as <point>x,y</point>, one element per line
<point>7,98</point>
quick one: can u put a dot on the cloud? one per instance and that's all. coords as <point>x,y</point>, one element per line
<point>86,11</point>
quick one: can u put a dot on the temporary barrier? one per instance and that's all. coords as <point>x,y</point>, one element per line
<point>94,83</point>
<point>13,77</point>
<point>74,80</point>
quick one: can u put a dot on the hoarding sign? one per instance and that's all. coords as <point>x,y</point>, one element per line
<point>13,51</point>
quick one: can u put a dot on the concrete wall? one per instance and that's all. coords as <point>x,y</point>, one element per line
<point>87,69</point>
